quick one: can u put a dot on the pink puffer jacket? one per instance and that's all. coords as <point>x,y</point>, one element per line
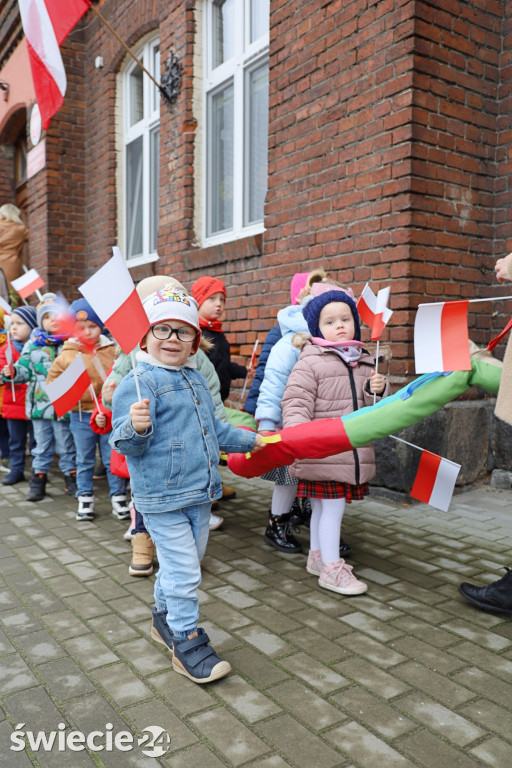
<point>322,385</point>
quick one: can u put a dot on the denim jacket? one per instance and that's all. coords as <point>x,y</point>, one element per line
<point>174,463</point>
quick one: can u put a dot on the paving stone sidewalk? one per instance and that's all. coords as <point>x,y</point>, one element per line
<point>407,675</point>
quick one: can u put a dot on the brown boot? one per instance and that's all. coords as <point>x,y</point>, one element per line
<point>142,559</point>
<point>228,493</point>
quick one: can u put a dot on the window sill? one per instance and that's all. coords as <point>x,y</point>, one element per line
<point>138,260</point>
<point>234,250</point>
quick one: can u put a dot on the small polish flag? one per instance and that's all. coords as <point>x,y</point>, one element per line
<point>112,295</point>
<point>5,306</point>
<point>441,341</point>
<point>435,480</point>
<point>28,283</point>
<point>374,310</point>
<point>66,390</point>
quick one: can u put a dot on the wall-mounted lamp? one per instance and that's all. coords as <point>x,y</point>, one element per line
<point>5,88</point>
<point>98,62</point>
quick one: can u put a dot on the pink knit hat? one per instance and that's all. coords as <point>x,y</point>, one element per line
<point>298,283</point>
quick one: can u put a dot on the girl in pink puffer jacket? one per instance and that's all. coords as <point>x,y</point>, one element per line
<point>333,376</point>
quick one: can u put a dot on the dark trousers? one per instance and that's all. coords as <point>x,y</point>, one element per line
<point>4,439</point>
<point>19,431</point>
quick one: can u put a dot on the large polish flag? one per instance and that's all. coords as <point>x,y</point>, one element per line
<point>66,390</point>
<point>441,341</point>
<point>374,310</point>
<point>435,480</point>
<point>28,283</point>
<point>112,295</point>
<point>46,23</point>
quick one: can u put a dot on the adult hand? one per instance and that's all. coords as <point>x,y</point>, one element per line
<point>502,268</point>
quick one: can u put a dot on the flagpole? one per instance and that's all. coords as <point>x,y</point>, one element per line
<point>10,364</point>
<point>134,366</point>
<point>93,393</point>
<point>412,445</point>
<point>126,47</point>
<point>463,301</point>
<point>251,366</point>
<point>376,368</point>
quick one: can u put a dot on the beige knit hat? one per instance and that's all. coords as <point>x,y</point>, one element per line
<point>151,284</point>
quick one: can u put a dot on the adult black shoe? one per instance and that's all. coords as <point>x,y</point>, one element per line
<point>279,535</point>
<point>37,487</point>
<point>15,476</point>
<point>495,597</point>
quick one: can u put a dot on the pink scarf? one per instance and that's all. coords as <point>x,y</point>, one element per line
<point>349,351</point>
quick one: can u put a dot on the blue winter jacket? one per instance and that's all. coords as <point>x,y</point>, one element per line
<point>174,463</point>
<point>281,360</point>
<point>271,338</point>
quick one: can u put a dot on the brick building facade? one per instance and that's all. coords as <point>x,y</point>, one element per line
<point>389,141</point>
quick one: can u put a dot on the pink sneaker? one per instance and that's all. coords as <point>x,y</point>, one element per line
<point>338,577</point>
<point>314,564</point>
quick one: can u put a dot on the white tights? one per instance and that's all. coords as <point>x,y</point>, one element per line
<point>282,499</point>
<point>326,518</point>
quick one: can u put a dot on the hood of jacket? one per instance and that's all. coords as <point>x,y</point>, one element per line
<point>291,319</point>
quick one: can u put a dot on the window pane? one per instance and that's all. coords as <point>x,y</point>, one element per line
<point>134,197</point>
<point>260,13</point>
<point>256,144</point>
<point>154,151</point>
<point>136,95</point>
<point>223,31</point>
<point>221,188</point>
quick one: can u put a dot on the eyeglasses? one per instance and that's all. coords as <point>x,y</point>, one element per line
<point>163,332</point>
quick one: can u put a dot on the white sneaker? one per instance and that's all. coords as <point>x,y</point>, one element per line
<point>85,507</point>
<point>128,535</point>
<point>215,522</point>
<point>120,506</point>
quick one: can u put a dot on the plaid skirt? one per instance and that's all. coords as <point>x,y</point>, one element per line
<point>280,476</point>
<point>330,489</point>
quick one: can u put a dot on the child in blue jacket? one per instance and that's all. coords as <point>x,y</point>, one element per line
<point>171,439</point>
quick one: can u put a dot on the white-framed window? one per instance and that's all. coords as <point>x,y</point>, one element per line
<point>141,154</point>
<point>236,118</point>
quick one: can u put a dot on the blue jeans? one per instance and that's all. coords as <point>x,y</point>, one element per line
<point>180,538</point>
<point>53,436</point>
<point>86,441</point>
<point>19,430</point>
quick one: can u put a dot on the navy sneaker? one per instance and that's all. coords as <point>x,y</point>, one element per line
<point>195,659</point>
<point>160,631</point>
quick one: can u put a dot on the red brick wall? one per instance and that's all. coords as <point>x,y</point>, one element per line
<point>389,145</point>
<point>382,147</point>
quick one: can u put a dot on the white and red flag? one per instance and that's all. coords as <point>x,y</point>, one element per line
<point>28,283</point>
<point>5,306</point>
<point>66,390</point>
<point>374,310</point>
<point>112,295</point>
<point>435,480</point>
<point>46,23</point>
<point>441,341</point>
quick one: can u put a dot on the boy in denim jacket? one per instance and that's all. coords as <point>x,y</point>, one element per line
<point>171,440</point>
